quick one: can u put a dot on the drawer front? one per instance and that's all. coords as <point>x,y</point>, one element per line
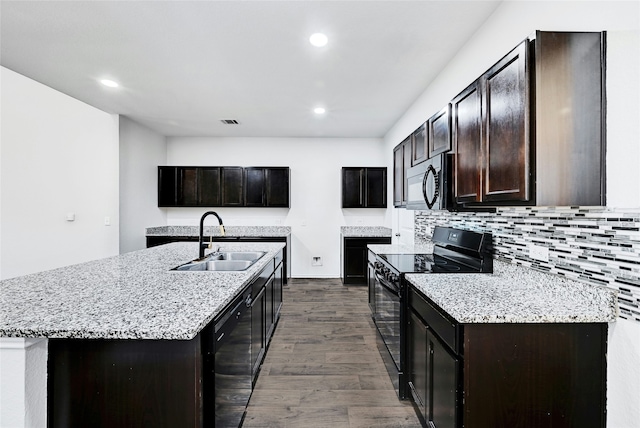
<point>440,325</point>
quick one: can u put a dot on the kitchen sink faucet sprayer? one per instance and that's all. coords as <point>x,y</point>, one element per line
<point>201,244</point>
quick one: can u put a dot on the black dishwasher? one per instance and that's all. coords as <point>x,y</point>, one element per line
<point>228,368</point>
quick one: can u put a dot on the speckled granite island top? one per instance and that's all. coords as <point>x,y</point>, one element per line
<point>132,296</point>
<point>365,231</point>
<point>231,231</point>
<point>514,294</point>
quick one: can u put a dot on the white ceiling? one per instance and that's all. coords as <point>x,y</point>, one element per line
<point>185,65</point>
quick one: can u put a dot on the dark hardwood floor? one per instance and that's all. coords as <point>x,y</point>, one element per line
<point>323,368</point>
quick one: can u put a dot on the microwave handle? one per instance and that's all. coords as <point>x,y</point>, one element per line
<point>436,178</point>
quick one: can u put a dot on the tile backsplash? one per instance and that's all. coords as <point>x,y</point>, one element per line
<point>597,245</point>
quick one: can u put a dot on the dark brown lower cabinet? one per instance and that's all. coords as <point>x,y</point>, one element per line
<point>504,375</point>
<point>355,258</point>
<point>433,376</point>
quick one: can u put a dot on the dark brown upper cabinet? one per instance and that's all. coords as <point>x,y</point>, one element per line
<point>364,187</point>
<point>227,186</point>
<point>266,187</point>
<point>419,146</point>
<point>232,186</point>
<point>530,130</point>
<point>277,187</point>
<point>182,186</point>
<point>570,130</point>
<point>439,132</point>
<point>401,163</point>
<point>490,133</point>
<point>467,141</point>
<point>505,101</point>
<point>209,194</point>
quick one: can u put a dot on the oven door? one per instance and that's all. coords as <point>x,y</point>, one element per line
<point>387,315</point>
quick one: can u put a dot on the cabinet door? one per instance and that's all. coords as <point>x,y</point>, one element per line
<point>277,187</point>
<point>398,176</point>
<point>417,342</point>
<point>187,186</point>
<point>167,186</point>
<point>353,188</point>
<point>506,122</point>
<point>419,149</point>
<point>257,332</point>
<point>232,186</point>
<point>406,164</point>
<point>278,283</point>
<point>268,309</point>
<point>467,133</point>
<point>439,132</point>
<point>209,187</point>
<point>401,163</point>
<point>254,192</point>
<point>376,188</point>
<point>442,383</point>
<point>355,263</point>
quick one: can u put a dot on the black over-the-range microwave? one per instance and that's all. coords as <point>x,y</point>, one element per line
<point>429,184</point>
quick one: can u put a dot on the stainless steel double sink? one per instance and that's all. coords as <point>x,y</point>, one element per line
<point>223,261</point>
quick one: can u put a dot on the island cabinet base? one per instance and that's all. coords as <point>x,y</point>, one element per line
<point>124,383</point>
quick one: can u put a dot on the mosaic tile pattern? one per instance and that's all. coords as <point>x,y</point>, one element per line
<point>596,245</point>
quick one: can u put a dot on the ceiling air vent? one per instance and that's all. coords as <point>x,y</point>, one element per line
<point>229,121</point>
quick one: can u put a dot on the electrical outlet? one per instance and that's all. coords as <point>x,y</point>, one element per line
<point>538,252</point>
<point>316,261</point>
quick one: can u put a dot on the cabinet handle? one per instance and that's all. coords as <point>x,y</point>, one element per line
<point>361,190</point>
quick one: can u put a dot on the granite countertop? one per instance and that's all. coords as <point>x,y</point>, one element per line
<point>365,231</point>
<point>132,296</point>
<point>515,294</point>
<point>232,231</point>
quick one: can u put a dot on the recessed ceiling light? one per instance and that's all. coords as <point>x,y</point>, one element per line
<point>109,83</point>
<point>318,39</point>
<point>319,110</point>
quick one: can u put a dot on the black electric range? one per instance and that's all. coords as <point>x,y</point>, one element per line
<point>454,251</point>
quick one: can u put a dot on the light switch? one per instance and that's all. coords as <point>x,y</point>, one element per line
<point>107,221</point>
<point>71,216</point>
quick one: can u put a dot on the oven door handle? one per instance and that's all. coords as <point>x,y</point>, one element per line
<point>386,284</point>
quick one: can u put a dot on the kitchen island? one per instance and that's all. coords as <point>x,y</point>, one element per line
<point>124,332</point>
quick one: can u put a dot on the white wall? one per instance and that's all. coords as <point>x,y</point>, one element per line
<point>512,22</point>
<point>315,215</point>
<point>59,156</point>
<point>141,151</point>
